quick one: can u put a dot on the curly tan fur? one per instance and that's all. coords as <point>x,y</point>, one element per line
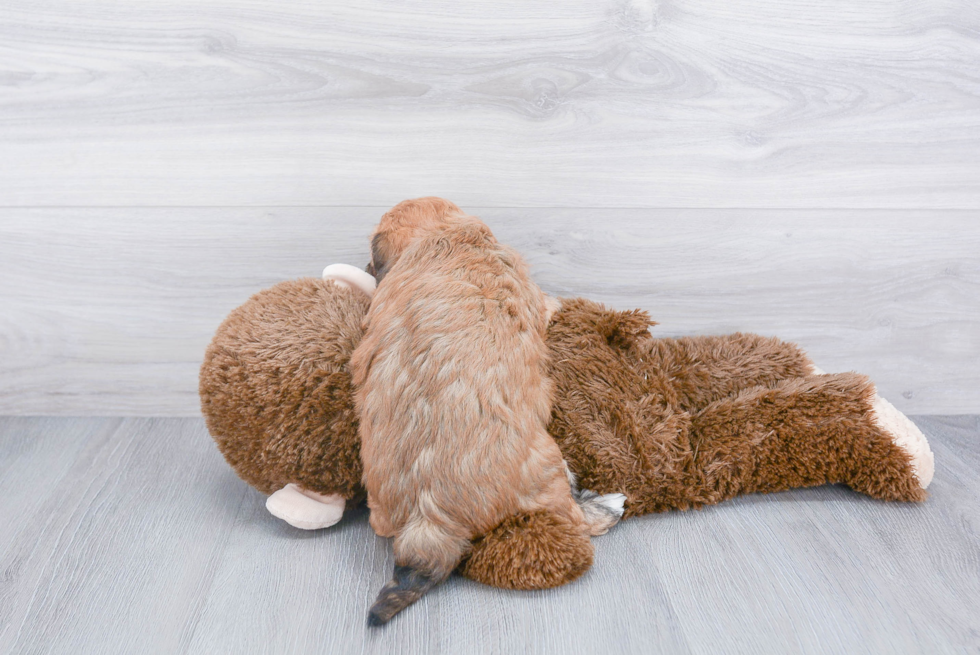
<point>452,395</point>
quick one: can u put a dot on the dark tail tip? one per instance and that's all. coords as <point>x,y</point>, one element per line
<point>407,587</point>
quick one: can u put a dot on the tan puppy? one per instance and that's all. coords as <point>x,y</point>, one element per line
<point>452,396</point>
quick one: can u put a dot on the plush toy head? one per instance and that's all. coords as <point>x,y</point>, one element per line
<point>276,392</point>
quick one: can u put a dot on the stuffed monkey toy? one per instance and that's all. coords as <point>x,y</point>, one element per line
<point>670,423</point>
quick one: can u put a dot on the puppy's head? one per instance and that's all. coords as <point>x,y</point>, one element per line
<point>403,224</point>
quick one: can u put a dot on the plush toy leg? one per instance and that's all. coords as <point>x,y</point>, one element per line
<point>305,509</point>
<point>806,432</point>
<point>530,551</point>
<point>907,436</point>
<point>701,370</point>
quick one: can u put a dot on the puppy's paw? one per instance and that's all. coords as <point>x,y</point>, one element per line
<point>907,436</point>
<point>601,512</point>
<point>616,503</point>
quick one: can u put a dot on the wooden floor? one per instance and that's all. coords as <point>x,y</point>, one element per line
<point>133,536</point>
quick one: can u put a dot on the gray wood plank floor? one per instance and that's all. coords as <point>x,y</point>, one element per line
<point>615,103</point>
<point>108,311</point>
<point>133,536</point>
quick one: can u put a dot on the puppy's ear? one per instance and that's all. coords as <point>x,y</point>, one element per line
<point>380,256</point>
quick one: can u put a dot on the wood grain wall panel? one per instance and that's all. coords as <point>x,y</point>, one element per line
<point>636,103</point>
<point>108,311</point>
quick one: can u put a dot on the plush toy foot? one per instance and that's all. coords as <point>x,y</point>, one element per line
<point>530,551</point>
<point>306,510</point>
<point>351,277</point>
<point>906,436</point>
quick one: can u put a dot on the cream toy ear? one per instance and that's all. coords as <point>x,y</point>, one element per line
<point>351,277</point>
<point>303,509</point>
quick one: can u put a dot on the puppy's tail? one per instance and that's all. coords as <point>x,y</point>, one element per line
<point>425,555</point>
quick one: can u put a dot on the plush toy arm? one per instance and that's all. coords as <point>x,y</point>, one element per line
<point>702,370</point>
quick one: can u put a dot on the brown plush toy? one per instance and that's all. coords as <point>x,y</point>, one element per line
<point>670,423</point>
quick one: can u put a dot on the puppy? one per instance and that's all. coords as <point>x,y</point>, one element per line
<point>453,397</point>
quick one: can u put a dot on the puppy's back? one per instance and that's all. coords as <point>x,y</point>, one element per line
<point>451,371</point>
<point>453,402</point>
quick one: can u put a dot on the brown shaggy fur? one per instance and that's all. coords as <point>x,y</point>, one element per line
<point>672,423</point>
<point>452,395</point>
<point>681,423</point>
<point>276,390</point>
<point>534,550</point>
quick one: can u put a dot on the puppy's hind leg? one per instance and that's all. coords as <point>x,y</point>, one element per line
<point>602,511</point>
